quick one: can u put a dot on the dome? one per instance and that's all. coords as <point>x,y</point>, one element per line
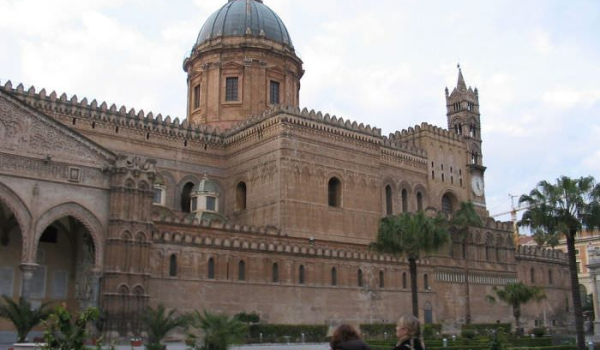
<point>242,18</point>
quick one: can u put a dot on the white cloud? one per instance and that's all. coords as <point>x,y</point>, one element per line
<point>565,97</point>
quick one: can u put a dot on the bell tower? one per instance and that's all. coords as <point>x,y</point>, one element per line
<point>462,110</point>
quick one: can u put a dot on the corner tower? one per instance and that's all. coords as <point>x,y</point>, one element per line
<point>242,63</point>
<point>462,110</point>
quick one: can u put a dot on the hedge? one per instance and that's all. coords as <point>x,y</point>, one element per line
<point>483,328</point>
<point>377,330</point>
<point>559,347</point>
<point>279,333</point>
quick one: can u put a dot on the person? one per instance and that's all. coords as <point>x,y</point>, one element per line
<point>408,331</point>
<point>345,337</point>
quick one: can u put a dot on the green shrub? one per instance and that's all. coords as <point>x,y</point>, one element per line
<point>538,332</point>
<point>530,343</point>
<point>277,333</point>
<point>252,317</point>
<point>431,330</point>
<point>484,328</point>
<point>65,331</point>
<point>377,330</point>
<point>468,333</point>
<point>559,347</point>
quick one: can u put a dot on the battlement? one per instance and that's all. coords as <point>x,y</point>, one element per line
<point>114,115</point>
<point>425,127</point>
<point>259,239</point>
<point>542,254</point>
<point>498,225</point>
<point>173,127</point>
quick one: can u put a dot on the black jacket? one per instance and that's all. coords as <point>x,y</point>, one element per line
<point>405,345</point>
<point>356,344</point>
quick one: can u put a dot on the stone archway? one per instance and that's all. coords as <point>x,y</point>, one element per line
<point>68,248</point>
<point>13,203</point>
<point>84,216</point>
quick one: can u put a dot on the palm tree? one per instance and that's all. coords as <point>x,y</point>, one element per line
<point>411,234</point>
<point>22,315</point>
<point>462,219</point>
<point>159,322</point>
<point>565,208</point>
<point>220,331</point>
<point>515,295</point>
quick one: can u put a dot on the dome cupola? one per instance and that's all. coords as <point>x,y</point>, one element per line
<point>242,63</point>
<point>245,18</point>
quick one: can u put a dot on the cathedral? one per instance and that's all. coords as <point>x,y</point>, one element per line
<point>250,203</point>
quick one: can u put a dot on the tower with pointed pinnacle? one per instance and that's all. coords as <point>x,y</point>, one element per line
<point>462,110</point>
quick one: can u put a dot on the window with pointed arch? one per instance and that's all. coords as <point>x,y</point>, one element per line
<point>419,201</point>
<point>359,278</point>
<point>275,273</point>
<point>211,269</point>
<point>242,270</point>
<point>550,277</point>
<point>532,275</point>
<point>426,282</point>
<point>186,197</point>
<point>388,200</point>
<point>240,196</point>
<point>301,275</point>
<point>447,204</point>
<point>404,200</point>
<point>404,280</point>
<point>173,265</point>
<point>333,276</point>
<point>381,280</point>
<point>334,192</point>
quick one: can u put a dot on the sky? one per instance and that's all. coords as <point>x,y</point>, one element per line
<point>385,63</point>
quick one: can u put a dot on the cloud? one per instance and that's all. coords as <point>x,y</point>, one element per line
<point>566,97</point>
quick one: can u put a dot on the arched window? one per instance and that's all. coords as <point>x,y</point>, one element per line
<point>333,276</point>
<point>240,196</point>
<point>275,273</point>
<point>241,270</point>
<point>472,130</point>
<point>211,268</point>
<point>173,265</point>
<point>404,201</point>
<point>474,157</point>
<point>447,204</point>
<point>419,201</point>
<point>388,200</point>
<point>360,278</point>
<point>404,281</point>
<point>334,192</point>
<point>426,282</point>
<point>186,196</point>
<point>301,274</point>
<point>381,280</point>
<point>550,279</point>
<point>532,275</point>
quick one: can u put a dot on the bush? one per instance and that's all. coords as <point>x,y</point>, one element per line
<point>277,333</point>
<point>538,332</point>
<point>431,330</point>
<point>484,328</point>
<point>468,333</point>
<point>65,331</point>
<point>252,317</point>
<point>377,330</point>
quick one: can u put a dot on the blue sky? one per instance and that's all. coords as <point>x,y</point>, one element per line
<point>536,64</point>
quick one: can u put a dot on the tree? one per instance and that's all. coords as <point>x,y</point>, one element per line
<point>220,331</point>
<point>565,208</point>
<point>159,323</point>
<point>22,315</point>
<point>66,332</point>
<point>411,234</point>
<point>462,219</point>
<point>515,295</point>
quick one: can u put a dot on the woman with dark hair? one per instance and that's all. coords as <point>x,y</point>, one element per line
<point>345,337</point>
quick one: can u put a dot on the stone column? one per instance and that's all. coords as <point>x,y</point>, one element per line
<point>96,275</point>
<point>27,270</point>
<point>594,269</point>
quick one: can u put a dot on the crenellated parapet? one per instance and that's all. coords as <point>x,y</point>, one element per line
<point>118,116</point>
<point>490,223</point>
<point>417,130</point>
<point>540,254</point>
<point>263,239</point>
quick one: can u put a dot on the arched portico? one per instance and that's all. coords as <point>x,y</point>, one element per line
<point>13,204</point>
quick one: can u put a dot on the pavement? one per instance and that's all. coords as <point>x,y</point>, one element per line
<point>181,346</point>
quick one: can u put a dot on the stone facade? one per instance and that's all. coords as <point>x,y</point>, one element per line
<point>273,214</point>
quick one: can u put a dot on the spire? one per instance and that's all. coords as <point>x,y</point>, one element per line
<point>461,86</point>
